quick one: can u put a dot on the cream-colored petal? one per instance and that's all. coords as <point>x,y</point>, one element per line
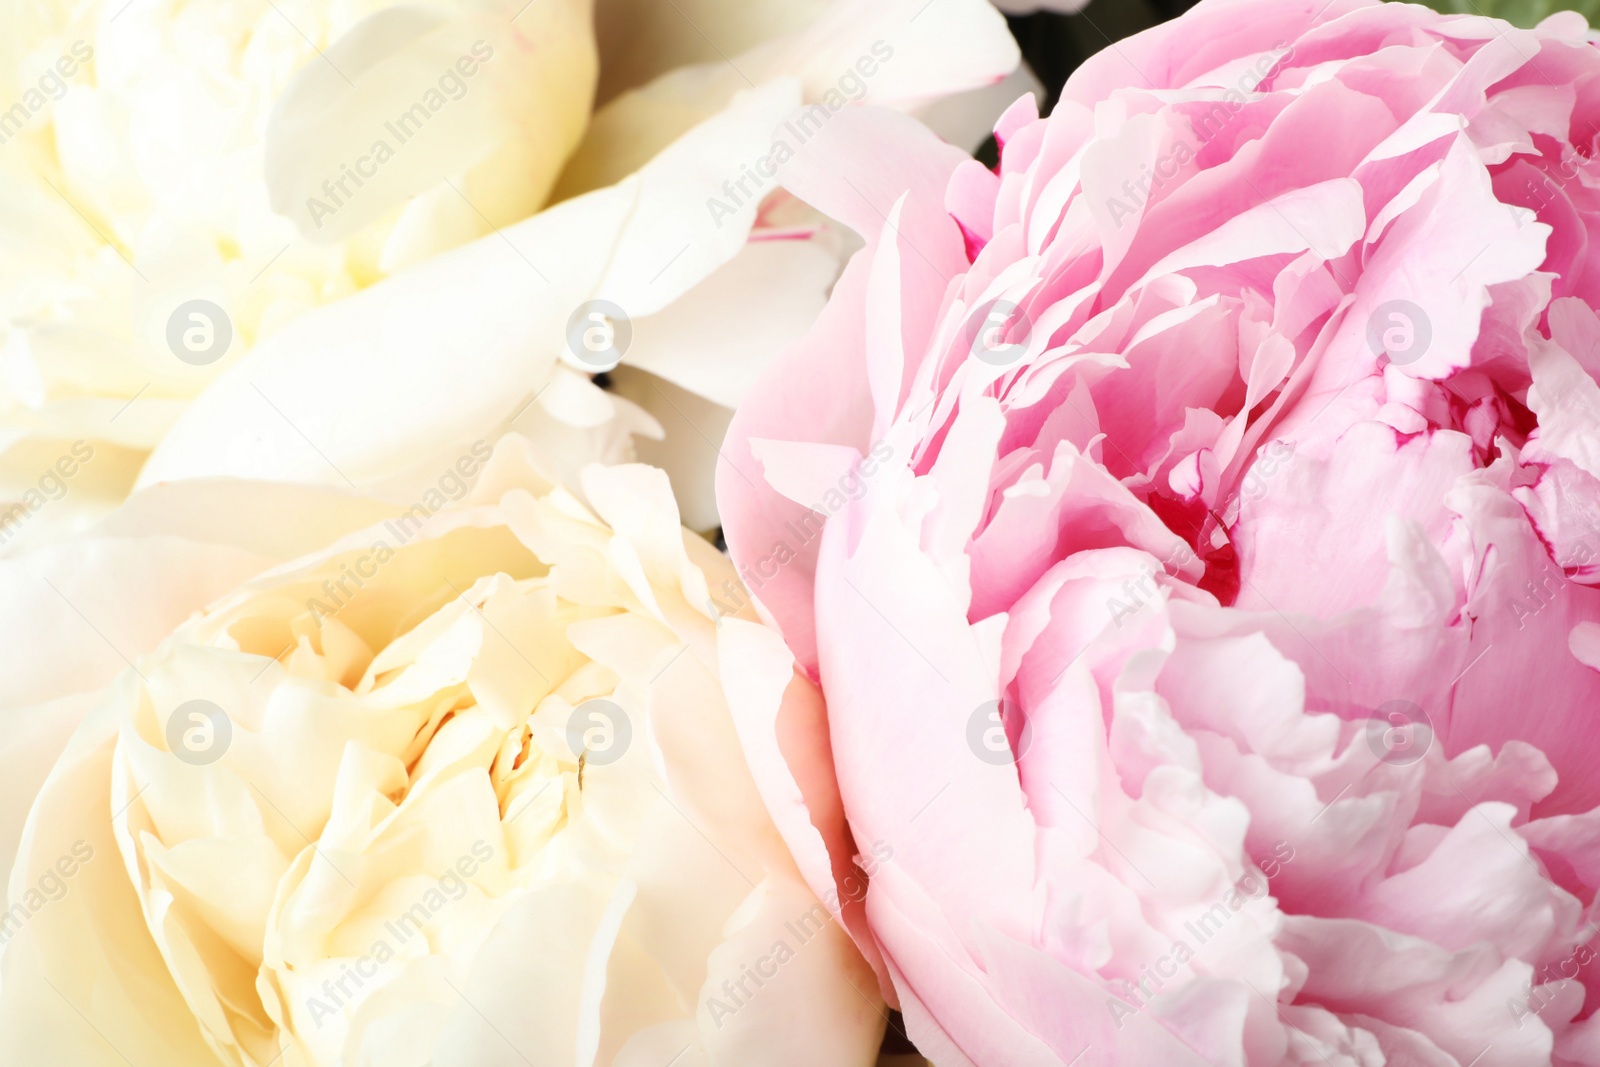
<point>30,741</point>
<point>521,1002</point>
<point>388,387</point>
<point>719,337</point>
<point>82,980</point>
<point>52,489</point>
<point>780,941</point>
<point>413,96</point>
<point>891,52</point>
<point>78,613</point>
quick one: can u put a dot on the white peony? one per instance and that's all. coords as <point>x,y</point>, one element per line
<point>461,788</point>
<point>666,223</point>
<point>273,159</point>
<point>132,184</point>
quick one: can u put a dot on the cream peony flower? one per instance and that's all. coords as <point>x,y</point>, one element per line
<point>183,185</point>
<point>666,245</point>
<point>80,610</point>
<point>460,789</point>
<point>142,249</point>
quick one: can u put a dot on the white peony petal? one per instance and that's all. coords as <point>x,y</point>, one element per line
<point>450,349</point>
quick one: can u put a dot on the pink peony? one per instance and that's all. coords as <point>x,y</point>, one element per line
<point>1194,527</point>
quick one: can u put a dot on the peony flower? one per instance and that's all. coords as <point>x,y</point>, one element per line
<point>198,212</point>
<point>78,611</point>
<point>1192,525</point>
<point>457,788</point>
<point>141,160</point>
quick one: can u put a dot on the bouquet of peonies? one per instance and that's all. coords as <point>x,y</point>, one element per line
<point>729,533</point>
